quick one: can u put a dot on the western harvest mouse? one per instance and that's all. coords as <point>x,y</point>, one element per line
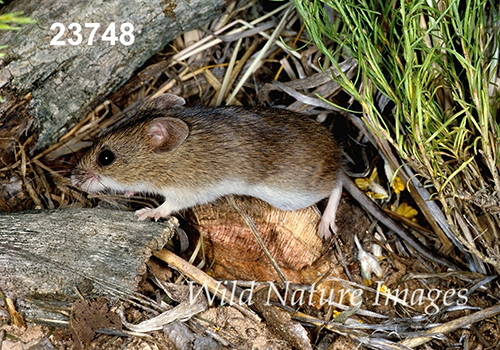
<point>196,155</point>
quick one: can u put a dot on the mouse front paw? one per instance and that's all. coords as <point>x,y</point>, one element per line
<point>155,213</point>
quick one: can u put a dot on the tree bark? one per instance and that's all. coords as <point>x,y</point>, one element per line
<point>45,256</point>
<point>57,85</point>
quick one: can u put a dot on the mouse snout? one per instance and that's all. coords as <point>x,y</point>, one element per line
<point>86,180</point>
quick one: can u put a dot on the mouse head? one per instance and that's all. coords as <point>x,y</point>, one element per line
<point>127,157</point>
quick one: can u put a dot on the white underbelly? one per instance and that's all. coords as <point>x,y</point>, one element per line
<point>279,198</point>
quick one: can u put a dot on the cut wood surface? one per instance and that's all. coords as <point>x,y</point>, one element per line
<point>290,236</point>
<point>57,85</point>
<point>45,256</point>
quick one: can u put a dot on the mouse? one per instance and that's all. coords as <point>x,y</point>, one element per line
<point>195,155</point>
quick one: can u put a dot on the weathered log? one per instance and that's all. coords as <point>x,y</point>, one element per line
<point>57,85</point>
<point>46,256</point>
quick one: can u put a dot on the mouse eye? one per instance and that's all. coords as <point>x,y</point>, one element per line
<point>105,158</point>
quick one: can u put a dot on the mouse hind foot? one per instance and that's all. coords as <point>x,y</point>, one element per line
<point>330,214</point>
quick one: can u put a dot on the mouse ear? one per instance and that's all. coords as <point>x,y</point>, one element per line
<point>164,101</point>
<point>166,134</point>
